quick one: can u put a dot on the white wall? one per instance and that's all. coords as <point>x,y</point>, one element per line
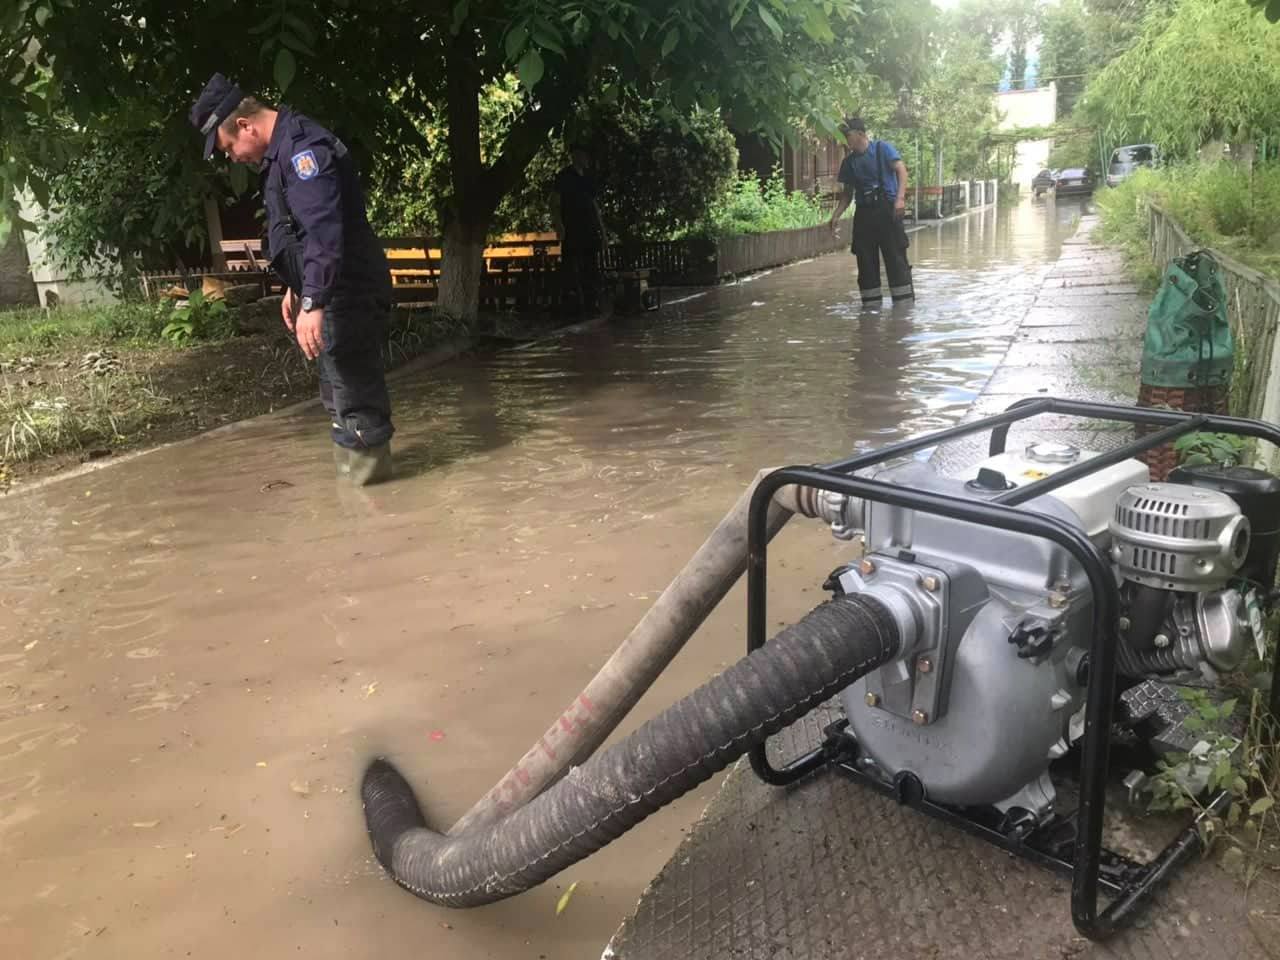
<point>1029,108</point>
<point>49,280</point>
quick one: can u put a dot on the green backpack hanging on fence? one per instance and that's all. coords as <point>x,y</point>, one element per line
<point>1188,341</point>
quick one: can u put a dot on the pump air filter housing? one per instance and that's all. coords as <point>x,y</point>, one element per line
<point>1177,537</point>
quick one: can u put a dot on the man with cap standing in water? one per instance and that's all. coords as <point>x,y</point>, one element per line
<point>874,175</point>
<point>337,298</point>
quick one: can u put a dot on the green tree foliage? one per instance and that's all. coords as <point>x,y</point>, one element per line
<point>1080,37</point>
<point>658,176</point>
<point>122,193</point>
<point>1204,72</point>
<point>1021,20</point>
<point>1074,147</point>
<point>1067,51</point>
<point>373,69</point>
<point>948,103</point>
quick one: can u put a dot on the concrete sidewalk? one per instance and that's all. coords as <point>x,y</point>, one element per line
<point>828,869</point>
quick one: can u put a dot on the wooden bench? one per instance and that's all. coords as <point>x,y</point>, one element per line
<point>243,255</point>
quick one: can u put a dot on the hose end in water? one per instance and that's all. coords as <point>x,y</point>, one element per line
<point>390,808</point>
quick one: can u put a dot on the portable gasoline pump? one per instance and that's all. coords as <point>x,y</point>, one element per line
<point>996,630</point>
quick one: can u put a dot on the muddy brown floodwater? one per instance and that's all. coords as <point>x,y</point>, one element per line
<point>200,648</point>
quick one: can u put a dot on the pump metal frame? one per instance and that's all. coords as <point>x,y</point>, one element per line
<point>1072,844</point>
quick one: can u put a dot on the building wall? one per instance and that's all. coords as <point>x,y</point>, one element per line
<point>53,287</point>
<point>1029,108</point>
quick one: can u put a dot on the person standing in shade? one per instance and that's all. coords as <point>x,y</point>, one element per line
<point>337,299</point>
<point>874,176</point>
<point>575,211</point>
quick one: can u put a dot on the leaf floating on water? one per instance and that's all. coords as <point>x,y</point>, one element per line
<point>301,787</point>
<point>564,898</point>
<point>262,763</point>
<point>147,824</point>
<point>370,689</point>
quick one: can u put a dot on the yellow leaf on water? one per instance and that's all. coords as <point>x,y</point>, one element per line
<point>564,898</point>
<point>146,824</point>
<point>262,763</point>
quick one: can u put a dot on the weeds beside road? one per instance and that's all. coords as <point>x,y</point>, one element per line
<point>79,384</point>
<point>1219,205</point>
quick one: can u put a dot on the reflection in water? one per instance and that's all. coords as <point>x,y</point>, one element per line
<point>200,632</point>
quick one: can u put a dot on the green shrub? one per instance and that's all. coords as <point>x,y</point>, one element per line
<point>199,319</point>
<point>749,206</point>
<point>1220,205</point>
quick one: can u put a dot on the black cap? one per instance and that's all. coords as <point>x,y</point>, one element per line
<point>853,123</point>
<point>216,101</point>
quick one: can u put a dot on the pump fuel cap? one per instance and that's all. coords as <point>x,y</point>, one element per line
<point>1046,451</point>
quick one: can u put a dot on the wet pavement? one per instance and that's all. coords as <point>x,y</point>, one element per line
<point>201,647</point>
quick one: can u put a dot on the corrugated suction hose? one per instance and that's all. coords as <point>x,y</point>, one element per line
<point>595,803</point>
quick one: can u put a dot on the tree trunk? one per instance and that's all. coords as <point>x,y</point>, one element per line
<point>213,221</point>
<point>479,188</point>
<point>17,288</point>
<point>461,268</point>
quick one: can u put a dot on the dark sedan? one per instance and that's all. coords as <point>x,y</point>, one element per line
<point>1043,182</point>
<point>1073,180</point>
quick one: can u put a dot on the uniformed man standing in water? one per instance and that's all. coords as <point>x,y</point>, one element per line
<point>874,175</point>
<point>337,298</point>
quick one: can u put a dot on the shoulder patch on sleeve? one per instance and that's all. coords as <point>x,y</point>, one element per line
<point>305,165</point>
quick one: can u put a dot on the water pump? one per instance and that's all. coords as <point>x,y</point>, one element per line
<point>992,690</point>
<point>991,628</point>
<point>1041,596</point>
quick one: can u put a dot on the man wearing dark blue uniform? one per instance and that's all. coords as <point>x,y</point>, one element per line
<point>337,298</point>
<point>874,174</point>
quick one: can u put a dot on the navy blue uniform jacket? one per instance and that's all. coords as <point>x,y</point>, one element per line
<point>319,238</point>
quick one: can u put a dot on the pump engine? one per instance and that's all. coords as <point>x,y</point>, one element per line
<point>990,688</point>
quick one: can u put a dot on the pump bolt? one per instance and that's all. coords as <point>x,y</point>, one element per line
<point>1057,600</point>
<point>1124,624</point>
<point>867,567</point>
<point>930,583</point>
<point>873,699</point>
<point>1162,640</point>
<point>924,665</point>
<point>919,718</point>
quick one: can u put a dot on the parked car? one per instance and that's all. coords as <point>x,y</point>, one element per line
<point>1073,180</point>
<point>1043,182</point>
<point>1125,160</point>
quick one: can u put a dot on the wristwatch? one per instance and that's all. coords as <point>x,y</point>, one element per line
<point>307,305</point>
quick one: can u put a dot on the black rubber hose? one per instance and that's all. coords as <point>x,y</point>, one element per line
<point>595,803</point>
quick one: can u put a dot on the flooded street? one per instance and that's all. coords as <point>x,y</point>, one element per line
<point>201,648</point>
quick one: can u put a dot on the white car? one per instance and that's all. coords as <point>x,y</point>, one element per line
<point>1125,160</point>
